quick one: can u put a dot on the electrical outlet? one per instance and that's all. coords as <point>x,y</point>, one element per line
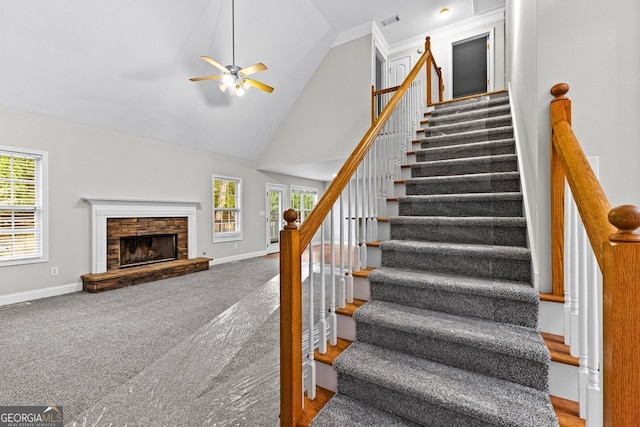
<point>235,245</point>
<point>54,271</point>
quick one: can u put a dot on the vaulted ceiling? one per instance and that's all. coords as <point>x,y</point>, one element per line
<point>125,65</point>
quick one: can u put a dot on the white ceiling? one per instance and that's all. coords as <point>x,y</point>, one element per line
<point>125,65</point>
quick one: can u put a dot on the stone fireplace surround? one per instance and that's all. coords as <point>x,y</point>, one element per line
<point>103,209</point>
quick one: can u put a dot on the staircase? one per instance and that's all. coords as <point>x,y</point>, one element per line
<point>448,337</point>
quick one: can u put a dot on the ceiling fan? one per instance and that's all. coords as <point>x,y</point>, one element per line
<point>235,79</point>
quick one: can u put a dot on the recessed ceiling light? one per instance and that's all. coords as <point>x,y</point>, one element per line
<point>444,12</point>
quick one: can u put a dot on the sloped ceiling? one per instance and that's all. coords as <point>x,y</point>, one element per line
<point>125,65</point>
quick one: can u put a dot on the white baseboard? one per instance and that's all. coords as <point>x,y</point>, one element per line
<point>53,291</point>
<point>237,257</point>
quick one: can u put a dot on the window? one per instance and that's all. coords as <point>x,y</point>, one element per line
<point>226,209</point>
<point>303,200</point>
<point>22,206</point>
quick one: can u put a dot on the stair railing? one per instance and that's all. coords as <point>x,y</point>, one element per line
<point>354,198</point>
<point>615,243</point>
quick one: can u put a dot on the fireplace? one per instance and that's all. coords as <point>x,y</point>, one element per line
<point>144,240</point>
<point>147,249</point>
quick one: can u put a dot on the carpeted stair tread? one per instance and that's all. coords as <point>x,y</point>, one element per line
<point>474,149</point>
<point>470,183</point>
<point>486,112</point>
<point>436,129</point>
<point>435,394</point>
<point>465,166</point>
<point>343,411</point>
<point>497,262</point>
<point>477,103</point>
<point>510,352</point>
<point>462,205</point>
<point>501,231</point>
<point>502,132</point>
<point>503,289</point>
<point>497,300</point>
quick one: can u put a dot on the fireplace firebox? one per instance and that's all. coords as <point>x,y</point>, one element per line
<point>147,249</point>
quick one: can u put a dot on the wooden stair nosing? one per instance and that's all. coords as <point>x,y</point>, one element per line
<point>374,244</point>
<point>312,407</point>
<point>350,308</point>
<point>567,411</point>
<point>551,298</point>
<point>333,351</point>
<point>559,350</point>
<point>364,272</point>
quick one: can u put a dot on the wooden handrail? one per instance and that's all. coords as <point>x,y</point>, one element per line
<point>615,242</point>
<point>383,91</point>
<point>330,196</point>
<point>293,241</point>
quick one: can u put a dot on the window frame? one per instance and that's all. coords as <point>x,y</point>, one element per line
<point>227,236</point>
<point>302,213</point>
<point>41,206</point>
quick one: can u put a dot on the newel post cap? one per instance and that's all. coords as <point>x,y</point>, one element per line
<point>626,219</point>
<point>290,216</point>
<point>559,91</point>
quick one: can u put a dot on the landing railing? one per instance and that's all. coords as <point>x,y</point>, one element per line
<point>596,267</point>
<point>353,201</point>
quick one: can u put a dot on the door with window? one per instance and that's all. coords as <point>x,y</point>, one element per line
<point>274,211</point>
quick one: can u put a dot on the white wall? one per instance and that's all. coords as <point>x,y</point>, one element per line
<point>85,161</point>
<point>594,48</point>
<point>332,113</point>
<point>521,67</point>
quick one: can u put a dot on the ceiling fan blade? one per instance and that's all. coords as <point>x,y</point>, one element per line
<point>259,85</point>
<point>215,64</point>
<point>252,69</point>
<point>199,79</point>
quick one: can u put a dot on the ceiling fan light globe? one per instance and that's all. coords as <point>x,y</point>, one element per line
<point>228,79</point>
<point>239,90</point>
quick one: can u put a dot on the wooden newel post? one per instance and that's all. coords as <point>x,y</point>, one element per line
<point>427,66</point>
<point>621,319</point>
<point>560,111</point>
<point>290,322</point>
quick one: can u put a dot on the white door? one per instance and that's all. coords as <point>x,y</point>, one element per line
<point>398,70</point>
<point>274,208</point>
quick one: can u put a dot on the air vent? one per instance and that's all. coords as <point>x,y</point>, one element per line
<point>483,6</point>
<point>390,21</point>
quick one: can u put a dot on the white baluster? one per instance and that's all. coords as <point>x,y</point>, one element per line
<point>349,290</point>
<point>583,370</point>
<point>311,366</point>
<point>333,319</point>
<point>342,282</point>
<point>575,273</point>
<point>568,221</point>
<point>594,392</point>
<point>356,224</point>
<point>322,344</point>
<point>363,223</point>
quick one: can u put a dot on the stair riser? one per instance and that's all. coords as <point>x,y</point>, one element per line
<point>455,233</point>
<point>483,113</point>
<point>498,310</point>
<point>449,129</point>
<point>419,170</point>
<point>465,151</point>
<point>408,207</point>
<point>459,262</point>
<point>465,138</point>
<point>510,368</point>
<point>410,407</point>
<point>420,188</point>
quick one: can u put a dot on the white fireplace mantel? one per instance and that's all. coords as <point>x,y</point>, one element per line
<point>104,208</point>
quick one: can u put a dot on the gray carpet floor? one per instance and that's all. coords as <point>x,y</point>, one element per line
<point>200,349</point>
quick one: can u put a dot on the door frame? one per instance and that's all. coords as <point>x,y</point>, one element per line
<point>269,187</point>
<point>468,36</point>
